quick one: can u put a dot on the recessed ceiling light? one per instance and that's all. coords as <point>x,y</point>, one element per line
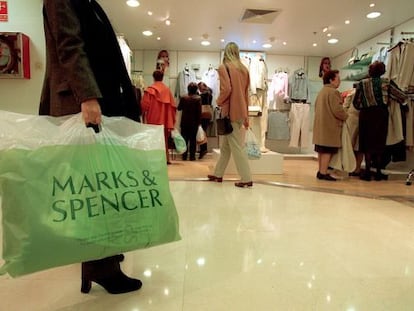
<point>373,15</point>
<point>149,13</point>
<point>158,38</point>
<point>168,22</point>
<point>147,33</point>
<point>329,35</point>
<point>333,41</point>
<point>284,43</point>
<point>325,29</point>
<point>132,3</point>
<point>347,22</point>
<point>315,44</point>
<point>254,41</point>
<point>372,5</point>
<point>190,39</point>
<point>205,43</point>
<point>222,40</point>
<point>267,45</point>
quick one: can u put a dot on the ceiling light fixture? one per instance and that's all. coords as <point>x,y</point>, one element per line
<point>329,35</point>
<point>347,22</point>
<point>373,15</point>
<point>147,33</point>
<point>132,3</point>
<point>315,44</point>
<point>205,43</point>
<point>168,22</point>
<point>190,39</point>
<point>333,41</point>
<point>267,45</point>
<point>149,13</point>
<point>325,29</point>
<point>284,43</point>
<point>158,38</point>
<point>372,5</point>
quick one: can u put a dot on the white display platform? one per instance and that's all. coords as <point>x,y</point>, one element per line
<point>270,163</point>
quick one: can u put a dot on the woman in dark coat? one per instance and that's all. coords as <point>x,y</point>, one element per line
<point>85,72</point>
<point>190,105</point>
<point>371,98</point>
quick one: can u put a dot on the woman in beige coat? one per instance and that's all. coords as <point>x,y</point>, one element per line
<point>233,101</point>
<point>327,126</point>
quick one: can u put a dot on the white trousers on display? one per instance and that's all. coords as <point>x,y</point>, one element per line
<point>259,124</point>
<point>299,125</point>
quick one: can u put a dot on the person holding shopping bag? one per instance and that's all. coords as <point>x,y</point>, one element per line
<point>233,101</point>
<point>85,72</point>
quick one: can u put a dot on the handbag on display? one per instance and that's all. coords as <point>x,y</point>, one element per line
<point>354,57</point>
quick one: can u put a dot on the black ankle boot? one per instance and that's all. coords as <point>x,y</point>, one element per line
<point>107,273</point>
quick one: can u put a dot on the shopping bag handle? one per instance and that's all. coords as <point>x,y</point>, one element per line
<point>95,127</point>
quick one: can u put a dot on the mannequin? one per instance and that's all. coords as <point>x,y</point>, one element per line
<point>258,98</point>
<point>163,61</point>
<point>324,66</point>
<point>162,64</point>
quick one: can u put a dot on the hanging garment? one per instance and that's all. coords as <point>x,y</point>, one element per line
<point>299,117</point>
<point>278,125</point>
<point>184,78</point>
<point>299,86</point>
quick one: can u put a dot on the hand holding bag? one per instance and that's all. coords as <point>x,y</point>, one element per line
<point>206,112</point>
<point>179,142</point>
<point>252,146</point>
<point>201,136</point>
<point>70,195</point>
<point>224,126</point>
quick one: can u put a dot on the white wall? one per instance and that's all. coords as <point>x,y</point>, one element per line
<point>22,95</point>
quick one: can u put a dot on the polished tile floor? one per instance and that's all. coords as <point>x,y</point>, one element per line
<point>290,243</point>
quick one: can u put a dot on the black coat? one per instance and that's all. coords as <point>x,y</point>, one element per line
<point>83,61</point>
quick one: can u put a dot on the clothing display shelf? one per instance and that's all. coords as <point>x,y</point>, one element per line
<point>360,68</point>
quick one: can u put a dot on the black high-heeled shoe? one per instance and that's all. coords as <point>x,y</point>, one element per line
<point>214,178</point>
<point>107,273</point>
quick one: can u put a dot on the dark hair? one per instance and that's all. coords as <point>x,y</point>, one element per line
<point>192,88</point>
<point>158,75</point>
<point>376,69</point>
<point>321,65</point>
<point>329,76</point>
<point>162,52</point>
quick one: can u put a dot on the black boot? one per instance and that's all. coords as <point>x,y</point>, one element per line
<point>107,273</point>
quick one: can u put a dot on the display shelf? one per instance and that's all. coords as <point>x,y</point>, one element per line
<point>360,64</point>
<point>356,77</point>
<point>361,67</point>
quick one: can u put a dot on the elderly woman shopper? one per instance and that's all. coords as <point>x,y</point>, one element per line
<point>327,126</point>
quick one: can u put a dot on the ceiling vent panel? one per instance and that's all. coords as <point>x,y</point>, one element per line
<point>259,16</point>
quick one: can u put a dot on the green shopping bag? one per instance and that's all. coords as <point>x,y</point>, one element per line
<point>70,195</point>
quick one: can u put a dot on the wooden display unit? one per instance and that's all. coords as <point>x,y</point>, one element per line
<point>14,55</point>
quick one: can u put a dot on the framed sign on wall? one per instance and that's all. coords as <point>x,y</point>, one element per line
<point>14,55</point>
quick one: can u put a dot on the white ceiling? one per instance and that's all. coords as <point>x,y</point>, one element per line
<point>299,23</point>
